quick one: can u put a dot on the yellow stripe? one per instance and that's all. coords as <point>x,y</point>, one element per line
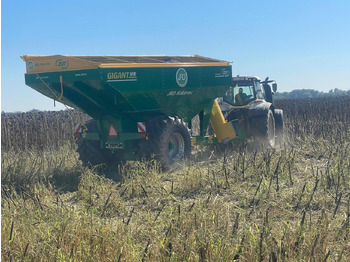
<point>129,65</point>
<point>61,81</point>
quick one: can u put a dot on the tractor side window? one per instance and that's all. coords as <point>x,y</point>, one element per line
<point>259,91</point>
<point>229,97</point>
<point>243,94</point>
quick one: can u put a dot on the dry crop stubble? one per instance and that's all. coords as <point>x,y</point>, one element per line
<point>289,204</point>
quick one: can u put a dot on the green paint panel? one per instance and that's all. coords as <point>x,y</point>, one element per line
<point>124,96</point>
<point>159,89</point>
<point>174,91</point>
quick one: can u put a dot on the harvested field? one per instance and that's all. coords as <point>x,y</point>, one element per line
<point>289,204</point>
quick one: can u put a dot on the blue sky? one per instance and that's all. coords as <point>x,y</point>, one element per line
<point>300,44</point>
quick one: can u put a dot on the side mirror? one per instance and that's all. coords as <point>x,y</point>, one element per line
<point>274,87</point>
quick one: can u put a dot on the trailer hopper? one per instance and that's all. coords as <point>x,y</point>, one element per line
<point>173,85</point>
<point>133,98</point>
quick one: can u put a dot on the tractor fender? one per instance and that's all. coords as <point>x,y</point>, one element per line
<point>259,108</point>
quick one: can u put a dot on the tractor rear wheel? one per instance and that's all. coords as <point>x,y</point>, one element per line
<point>170,141</point>
<point>263,129</point>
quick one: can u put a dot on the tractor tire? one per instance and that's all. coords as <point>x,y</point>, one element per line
<point>90,152</point>
<point>263,130</point>
<point>170,141</point>
<point>233,114</point>
<point>279,125</point>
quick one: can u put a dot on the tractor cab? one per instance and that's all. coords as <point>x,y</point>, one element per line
<point>245,89</point>
<point>249,102</point>
<point>242,91</point>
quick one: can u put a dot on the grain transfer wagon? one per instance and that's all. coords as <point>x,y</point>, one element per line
<point>142,106</point>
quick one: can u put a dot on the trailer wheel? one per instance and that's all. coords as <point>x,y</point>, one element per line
<point>170,141</point>
<point>90,152</point>
<point>263,129</point>
<point>279,126</point>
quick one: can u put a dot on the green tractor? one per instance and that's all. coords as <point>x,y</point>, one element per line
<point>142,106</point>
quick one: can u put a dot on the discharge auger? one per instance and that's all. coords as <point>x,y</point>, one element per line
<point>142,106</point>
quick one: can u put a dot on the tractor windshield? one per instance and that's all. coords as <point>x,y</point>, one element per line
<point>241,93</point>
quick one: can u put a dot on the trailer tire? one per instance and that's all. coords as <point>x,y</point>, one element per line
<point>170,141</point>
<point>263,129</point>
<point>90,152</point>
<point>279,125</point>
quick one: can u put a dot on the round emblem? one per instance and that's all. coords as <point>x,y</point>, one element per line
<point>30,65</point>
<point>181,77</point>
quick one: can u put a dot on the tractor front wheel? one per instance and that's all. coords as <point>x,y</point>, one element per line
<point>263,129</point>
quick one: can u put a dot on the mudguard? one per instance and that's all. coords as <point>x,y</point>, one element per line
<point>259,108</point>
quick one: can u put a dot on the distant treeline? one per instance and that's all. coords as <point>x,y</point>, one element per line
<point>309,93</point>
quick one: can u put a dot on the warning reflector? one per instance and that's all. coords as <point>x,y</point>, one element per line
<point>141,127</point>
<point>77,127</point>
<point>112,132</point>
<point>77,130</point>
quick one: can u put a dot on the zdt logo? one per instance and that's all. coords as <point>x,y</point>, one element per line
<point>62,64</point>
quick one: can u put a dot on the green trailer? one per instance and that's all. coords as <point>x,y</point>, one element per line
<point>142,106</point>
